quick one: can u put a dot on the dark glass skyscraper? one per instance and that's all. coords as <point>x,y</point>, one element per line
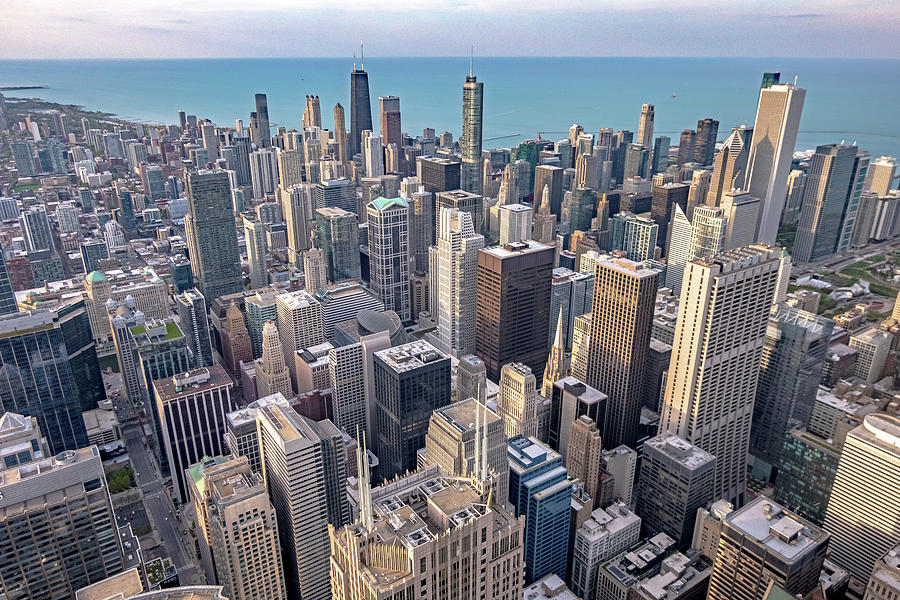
<point>36,379</point>
<point>262,120</point>
<point>72,319</point>
<point>7,296</point>
<point>360,107</point>
<point>211,234</point>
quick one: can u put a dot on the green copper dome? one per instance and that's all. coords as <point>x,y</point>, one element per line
<point>96,276</point>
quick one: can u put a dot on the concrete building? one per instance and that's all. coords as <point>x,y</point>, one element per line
<point>202,395</point>
<point>715,362</point>
<point>617,577</point>
<point>881,175</point>
<point>517,402</point>
<point>570,399</point>
<point>872,346</point>
<point>338,236</point>
<point>621,316</point>
<point>676,480</point>
<point>863,514</point>
<point>635,235</point>
<point>608,532</point>
<point>884,584</point>
<point>762,544</point>
<point>255,237</point>
<point>272,374</point>
<point>50,550</point>
<point>471,379</point>
<point>344,301</point>
<point>770,153</point>
<point>300,325</point>
<point>389,254</point>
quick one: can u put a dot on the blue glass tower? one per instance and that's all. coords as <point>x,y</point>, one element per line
<point>36,379</point>
<point>540,489</point>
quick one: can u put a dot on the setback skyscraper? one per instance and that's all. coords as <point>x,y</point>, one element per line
<point>360,108</point>
<point>470,140</point>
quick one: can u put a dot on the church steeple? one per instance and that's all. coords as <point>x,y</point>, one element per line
<point>558,362</point>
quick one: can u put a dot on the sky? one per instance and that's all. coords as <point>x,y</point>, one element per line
<point>299,28</point>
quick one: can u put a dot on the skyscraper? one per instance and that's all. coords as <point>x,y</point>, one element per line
<point>237,346</point>
<point>338,235</point>
<point>312,114</point>
<point>645,127</point>
<point>687,143</point>
<point>662,208</point>
<point>295,475</point>
<point>705,147</point>
<point>36,378</point>
<point>255,237</point>
<point>262,120</point>
<point>211,235</point>
<point>199,396</point>
<point>771,151</point>
<point>373,154</point>
<point>59,531</point>
<point>360,107</point>
<point>389,112</point>
<point>388,221</point>
<point>7,296</point>
<point>454,279</point>
<point>299,325</point>
<point>517,400</point>
<point>863,513</point>
<point>411,381</point>
<point>470,140</point>
<point>730,165</point>
<point>791,368</point>
<point>550,176</point>
<point>636,236</point>
<point>724,309</point>
<point>622,312</point>
<point>340,134</point>
<point>36,229</point>
<point>763,544</point>
<point>272,375</point>
<point>881,175</point>
<point>830,197</point>
<point>541,491</point>
<point>191,309</point>
<point>676,479</point>
<point>513,305</point>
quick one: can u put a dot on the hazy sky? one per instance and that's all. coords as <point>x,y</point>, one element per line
<point>238,28</point>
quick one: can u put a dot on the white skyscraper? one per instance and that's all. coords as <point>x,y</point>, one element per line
<point>255,237</point>
<point>373,154</point>
<point>722,319</point>
<point>880,178</point>
<point>348,387</point>
<point>679,252</point>
<point>455,261</point>
<point>300,325</point>
<point>742,212</point>
<point>515,223</point>
<point>771,151</point>
<point>863,513</point>
<point>264,171</point>
<point>388,220</point>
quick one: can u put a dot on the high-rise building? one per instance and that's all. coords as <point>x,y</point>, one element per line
<point>662,208</point>
<point>806,470</point>
<point>645,127</point>
<point>705,147</point>
<point>243,530</point>
<point>272,374</point>
<point>635,235</point>
<point>373,154</point>
<point>517,400</point>
<point>571,399</point>
<point>676,480</point>
<point>360,108</point>
<point>255,238</point>
<point>388,221</point>
<point>687,144</point>
<point>453,282</point>
<point>23,154</point>
<point>881,175</point>
<point>191,310</point>
<point>264,172</point>
<point>92,252</point>
<point>764,544</point>
<point>741,212</point>
<point>722,317</point>
<point>340,134</point>
<point>771,151</point>
<point>312,113</point>
<point>464,436</point>
<point>338,236</point>
<point>437,174</point>
<point>211,235</point>
<point>513,305</point>
<point>471,378</point>
<point>411,381</point>
<point>884,584</point>
<point>541,491</point>
<point>552,177</point>
<point>264,138</point>
<point>315,273</point>
<point>730,165</point>
<point>336,193</point>
<point>830,201</point>
<point>295,474</point>
<point>470,140</point>
<point>399,521</point>
<point>872,346</point>
<point>621,316</point>
<point>544,227</point>
<point>59,531</point>
<point>290,170</point>
<point>790,370</point>
<point>863,514</point>
<point>299,325</point>
<point>515,223</point>
<point>660,158</point>
<point>237,346</point>
<point>46,388</point>
<point>584,455</point>
<point>389,112</point>
<point>199,396</point>
<point>7,296</point>
<point>609,531</point>
<point>36,229</point>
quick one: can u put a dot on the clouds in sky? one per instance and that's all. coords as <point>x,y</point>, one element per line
<point>244,28</point>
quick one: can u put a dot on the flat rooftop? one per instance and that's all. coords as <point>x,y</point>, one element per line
<point>192,382</point>
<point>680,450</point>
<point>515,248</point>
<point>410,356</point>
<point>780,531</point>
<point>461,415</point>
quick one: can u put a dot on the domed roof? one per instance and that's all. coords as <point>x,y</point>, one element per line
<point>95,276</point>
<point>371,321</point>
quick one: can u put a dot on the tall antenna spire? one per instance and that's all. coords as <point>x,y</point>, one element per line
<point>354,60</point>
<point>362,57</point>
<point>476,467</point>
<point>365,490</point>
<point>484,444</point>
<point>471,58</point>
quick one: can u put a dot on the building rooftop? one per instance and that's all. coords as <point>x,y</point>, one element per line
<point>526,453</point>
<point>551,586</point>
<point>640,560</point>
<point>680,450</point>
<point>192,382</point>
<point>782,532</point>
<point>677,573</point>
<point>629,267</point>
<point>461,415</point>
<point>381,203</point>
<point>118,587</point>
<point>13,495</point>
<point>515,248</point>
<point>332,212</point>
<point>410,356</point>
<point>608,521</point>
<point>156,331</point>
<point>296,300</point>
<point>881,429</point>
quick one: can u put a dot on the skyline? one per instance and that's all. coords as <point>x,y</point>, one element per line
<point>171,30</point>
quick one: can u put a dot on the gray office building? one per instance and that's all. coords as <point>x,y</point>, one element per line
<point>337,233</point>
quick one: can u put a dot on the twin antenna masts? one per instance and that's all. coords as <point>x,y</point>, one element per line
<point>362,58</point>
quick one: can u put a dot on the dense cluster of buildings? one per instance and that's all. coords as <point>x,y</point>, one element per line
<point>371,366</point>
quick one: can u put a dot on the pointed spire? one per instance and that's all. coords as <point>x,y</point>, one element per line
<point>545,198</point>
<point>471,59</point>
<point>362,57</point>
<point>365,490</point>
<point>484,444</point>
<point>558,339</point>
<point>476,466</point>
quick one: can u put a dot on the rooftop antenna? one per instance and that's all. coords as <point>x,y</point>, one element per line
<point>365,491</point>
<point>795,80</point>
<point>362,57</point>
<point>354,61</point>
<point>471,58</point>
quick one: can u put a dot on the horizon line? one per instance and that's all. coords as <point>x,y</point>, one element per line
<point>440,56</point>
